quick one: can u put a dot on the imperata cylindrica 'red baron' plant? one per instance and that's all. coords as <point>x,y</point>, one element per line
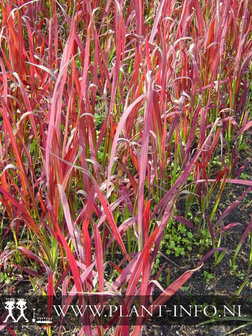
<point>111,111</point>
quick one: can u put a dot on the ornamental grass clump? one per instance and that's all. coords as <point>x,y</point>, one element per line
<point>111,111</point>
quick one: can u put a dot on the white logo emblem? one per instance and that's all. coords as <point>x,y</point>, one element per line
<point>10,306</point>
